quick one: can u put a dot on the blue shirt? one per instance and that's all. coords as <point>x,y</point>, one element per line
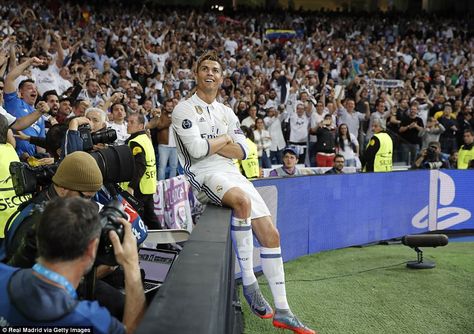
<point>29,300</point>
<point>19,108</point>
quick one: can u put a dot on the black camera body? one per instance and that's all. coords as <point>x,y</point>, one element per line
<point>104,136</point>
<point>430,154</point>
<point>26,179</point>
<point>109,221</point>
<point>115,163</point>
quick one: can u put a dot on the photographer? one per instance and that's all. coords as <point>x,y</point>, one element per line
<point>430,158</point>
<point>73,141</point>
<point>88,133</point>
<point>78,175</point>
<point>68,236</point>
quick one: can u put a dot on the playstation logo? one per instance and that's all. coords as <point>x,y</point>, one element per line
<point>438,214</point>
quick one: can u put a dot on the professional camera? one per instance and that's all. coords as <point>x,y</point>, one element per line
<point>105,136</point>
<point>431,153</point>
<point>26,179</point>
<point>115,163</point>
<point>109,221</point>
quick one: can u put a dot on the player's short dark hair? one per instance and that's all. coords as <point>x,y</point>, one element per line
<point>66,228</point>
<point>210,55</point>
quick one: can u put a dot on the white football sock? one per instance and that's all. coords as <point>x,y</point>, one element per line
<point>242,237</point>
<point>272,266</point>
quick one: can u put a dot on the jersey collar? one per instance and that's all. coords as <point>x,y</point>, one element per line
<point>197,100</point>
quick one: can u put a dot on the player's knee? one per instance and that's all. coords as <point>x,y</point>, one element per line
<point>242,203</point>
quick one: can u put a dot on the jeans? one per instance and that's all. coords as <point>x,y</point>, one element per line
<point>167,155</point>
<point>312,154</point>
<point>264,161</point>
<point>409,152</point>
<point>350,163</point>
<point>276,157</point>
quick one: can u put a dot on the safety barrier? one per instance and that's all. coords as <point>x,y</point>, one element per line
<point>317,213</point>
<point>199,295</point>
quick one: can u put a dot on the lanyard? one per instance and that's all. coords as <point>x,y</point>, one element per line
<point>55,277</point>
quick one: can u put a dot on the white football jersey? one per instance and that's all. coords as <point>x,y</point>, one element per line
<point>194,122</point>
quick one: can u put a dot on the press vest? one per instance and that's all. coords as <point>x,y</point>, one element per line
<point>383,157</point>
<point>464,156</point>
<point>250,165</point>
<point>9,201</point>
<point>148,180</point>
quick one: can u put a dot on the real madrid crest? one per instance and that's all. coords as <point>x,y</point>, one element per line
<point>219,189</point>
<point>199,110</point>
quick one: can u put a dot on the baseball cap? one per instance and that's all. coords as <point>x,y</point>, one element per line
<point>290,150</point>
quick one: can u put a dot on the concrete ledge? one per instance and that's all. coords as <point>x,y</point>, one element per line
<point>198,295</point>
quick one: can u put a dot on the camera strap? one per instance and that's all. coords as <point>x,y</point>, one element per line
<point>56,278</point>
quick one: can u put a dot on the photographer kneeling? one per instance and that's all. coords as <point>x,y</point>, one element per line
<point>78,175</point>
<point>430,158</point>
<point>67,239</point>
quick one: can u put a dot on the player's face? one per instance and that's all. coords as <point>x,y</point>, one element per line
<point>209,76</point>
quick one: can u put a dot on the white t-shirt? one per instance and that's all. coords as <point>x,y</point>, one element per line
<point>10,118</point>
<point>121,130</point>
<point>231,46</point>
<point>315,120</point>
<point>159,60</point>
<point>46,80</point>
<point>63,85</point>
<point>248,122</point>
<point>298,128</point>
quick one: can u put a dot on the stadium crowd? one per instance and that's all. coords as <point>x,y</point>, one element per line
<point>317,86</point>
<point>311,88</point>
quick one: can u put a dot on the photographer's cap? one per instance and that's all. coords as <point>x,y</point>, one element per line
<point>79,171</point>
<point>290,150</point>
